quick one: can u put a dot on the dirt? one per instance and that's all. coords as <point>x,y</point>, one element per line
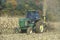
<point>33,36</point>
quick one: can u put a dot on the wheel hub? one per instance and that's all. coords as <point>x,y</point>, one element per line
<point>31,31</point>
<point>41,28</point>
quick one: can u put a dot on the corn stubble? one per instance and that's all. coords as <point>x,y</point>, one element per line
<point>7,24</point>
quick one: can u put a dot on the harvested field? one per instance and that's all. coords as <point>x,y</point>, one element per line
<point>41,36</point>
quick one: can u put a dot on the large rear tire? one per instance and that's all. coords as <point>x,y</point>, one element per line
<point>40,27</point>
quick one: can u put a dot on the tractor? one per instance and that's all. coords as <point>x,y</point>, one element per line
<point>32,23</point>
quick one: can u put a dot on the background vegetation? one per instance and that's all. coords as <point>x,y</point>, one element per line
<point>53,8</point>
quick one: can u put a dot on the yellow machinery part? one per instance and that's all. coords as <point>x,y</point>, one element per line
<point>41,28</point>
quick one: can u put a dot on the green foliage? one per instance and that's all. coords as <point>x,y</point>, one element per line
<point>9,6</point>
<point>21,8</point>
<point>30,5</point>
<point>2,2</point>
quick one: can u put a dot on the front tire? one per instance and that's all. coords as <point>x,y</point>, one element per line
<point>29,30</point>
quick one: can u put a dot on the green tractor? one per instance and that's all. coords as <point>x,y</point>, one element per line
<point>32,23</point>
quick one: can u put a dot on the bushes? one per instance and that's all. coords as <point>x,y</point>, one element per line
<point>20,9</point>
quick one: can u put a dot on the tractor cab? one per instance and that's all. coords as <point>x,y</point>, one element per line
<point>33,15</point>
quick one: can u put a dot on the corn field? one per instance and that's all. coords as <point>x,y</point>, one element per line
<point>7,24</point>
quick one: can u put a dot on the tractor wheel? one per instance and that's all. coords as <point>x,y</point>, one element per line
<point>29,30</point>
<point>40,27</point>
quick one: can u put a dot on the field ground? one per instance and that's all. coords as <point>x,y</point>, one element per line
<point>24,36</point>
<point>7,24</point>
